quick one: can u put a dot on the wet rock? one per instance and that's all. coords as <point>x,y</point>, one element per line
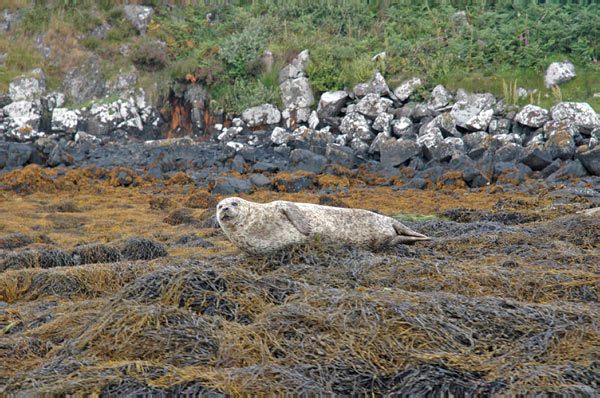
<point>342,155</point>
<point>591,160</point>
<point>570,169</point>
<point>581,113</point>
<point>558,73</point>
<point>476,144</point>
<point>395,152</point>
<point>303,159</point>
<point>376,85</point>
<point>265,114</point>
<point>331,103</point>
<point>260,180</point>
<point>560,145</point>
<point>28,87</point>
<point>536,158</point>
<point>355,125</point>
<point>372,105</point>
<point>406,88</point>
<point>85,82</point>
<point>532,116</point>
<point>14,154</point>
<point>230,186</point>
<point>139,16</point>
<point>293,182</point>
<point>440,97</point>
<point>64,120</point>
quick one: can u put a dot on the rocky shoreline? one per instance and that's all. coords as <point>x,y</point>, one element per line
<point>476,136</point>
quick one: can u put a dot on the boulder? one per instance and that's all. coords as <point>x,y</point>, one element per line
<point>475,112</point>
<point>376,85</point>
<point>356,125</point>
<point>558,73</point>
<point>440,97</point>
<point>359,146</point>
<point>230,186</point>
<point>296,93</point>
<point>394,152</point>
<point>342,155</point>
<point>303,159</point>
<point>445,122</point>
<point>372,105</point>
<point>536,158</point>
<point>261,115</point>
<point>430,142</point>
<point>85,82</point>
<point>476,144</point>
<point>581,113</point>
<point>382,123</point>
<point>14,154</point>
<point>196,96</point>
<point>24,114</point>
<point>591,160</point>
<point>402,126</point>
<point>331,103</point>
<point>28,87</point>
<point>561,145</point>
<point>64,119</point>
<point>139,16</point>
<point>280,136</point>
<point>301,60</point>
<point>532,116</point>
<point>406,88</point>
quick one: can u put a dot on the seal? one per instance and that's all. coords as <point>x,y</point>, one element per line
<point>260,228</point>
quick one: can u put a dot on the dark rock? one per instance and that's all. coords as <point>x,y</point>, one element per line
<point>537,158</point>
<point>560,145</point>
<point>59,156</point>
<point>474,177</point>
<point>303,159</point>
<point>342,155</point>
<point>260,180</point>
<point>510,172</point>
<point>14,154</point>
<point>476,144</point>
<point>551,168</point>
<point>293,182</point>
<point>591,160</point>
<point>230,186</point>
<point>396,152</point>
<point>570,169</point>
<point>237,164</point>
<point>417,183</point>
<point>270,167</point>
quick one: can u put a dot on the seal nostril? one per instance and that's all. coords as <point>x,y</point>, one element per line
<point>225,208</point>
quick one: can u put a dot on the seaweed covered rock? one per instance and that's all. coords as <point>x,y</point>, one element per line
<point>142,249</point>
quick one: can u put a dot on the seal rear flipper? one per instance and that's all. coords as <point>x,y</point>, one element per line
<point>406,234</point>
<point>297,219</point>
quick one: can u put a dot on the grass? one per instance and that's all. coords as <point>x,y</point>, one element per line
<point>513,43</point>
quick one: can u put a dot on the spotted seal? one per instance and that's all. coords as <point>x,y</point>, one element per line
<point>259,228</point>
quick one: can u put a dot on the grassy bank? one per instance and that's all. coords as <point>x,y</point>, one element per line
<point>505,43</point>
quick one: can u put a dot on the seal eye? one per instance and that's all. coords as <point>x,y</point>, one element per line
<point>234,203</point>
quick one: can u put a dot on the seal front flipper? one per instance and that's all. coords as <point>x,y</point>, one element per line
<point>406,234</point>
<point>296,218</point>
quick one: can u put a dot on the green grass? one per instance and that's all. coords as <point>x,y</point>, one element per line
<point>505,43</point>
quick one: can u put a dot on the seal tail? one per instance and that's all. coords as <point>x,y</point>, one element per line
<point>406,235</point>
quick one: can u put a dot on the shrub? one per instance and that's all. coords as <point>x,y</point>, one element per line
<point>241,49</point>
<point>150,55</point>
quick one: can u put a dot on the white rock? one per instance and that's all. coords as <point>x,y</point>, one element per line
<point>372,105</point>
<point>558,73</point>
<point>28,87</point>
<point>581,113</point>
<point>382,123</point>
<point>229,133</point>
<point>532,116</point>
<point>64,119</point>
<point>280,136</point>
<point>401,126</point>
<point>301,60</point>
<point>356,125</point>
<point>331,103</point>
<point>313,120</point>
<point>265,114</point>
<point>406,88</point>
<point>440,97</point>
<point>238,146</point>
<point>23,114</point>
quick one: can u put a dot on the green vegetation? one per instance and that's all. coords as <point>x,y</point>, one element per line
<point>504,42</point>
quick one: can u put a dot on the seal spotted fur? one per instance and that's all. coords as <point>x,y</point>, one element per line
<point>259,228</point>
